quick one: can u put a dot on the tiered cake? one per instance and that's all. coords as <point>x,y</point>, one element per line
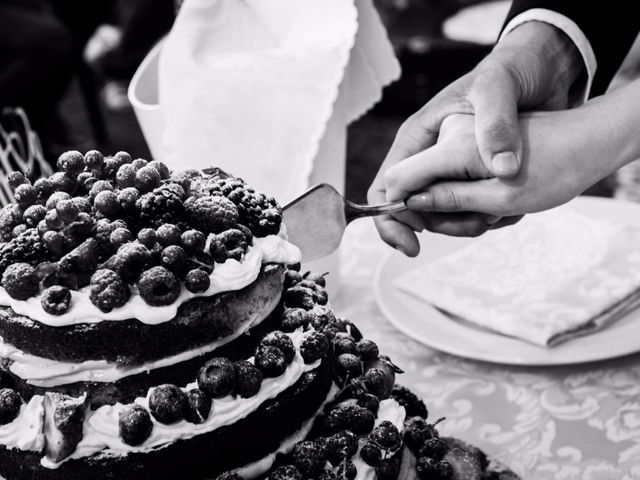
<point>156,324</point>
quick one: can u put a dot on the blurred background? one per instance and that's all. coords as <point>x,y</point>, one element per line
<point>79,57</point>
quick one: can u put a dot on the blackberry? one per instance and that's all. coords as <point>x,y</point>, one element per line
<point>198,406</point>
<point>314,347</point>
<point>197,281</point>
<point>349,415</point>
<point>426,468</point>
<point>367,350</point>
<point>308,457</point>
<point>108,290</point>
<point>56,300</point>
<point>414,406</point>
<point>20,281</point>
<point>93,159</point>
<point>388,469</point>
<point>71,162</point>
<point>231,243</point>
<point>168,234</point>
<point>106,202</point>
<point>158,286</point>
<point>285,472</point>
<point>217,378</point>
<point>249,379</point>
<point>347,470</point>
<point>444,470</point>
<point>10,403</point>
<point>299,297</point>
<point>163,205</point>
<point>434,448</point>
<point>257,211</point>
<point>34,214</point>
<point>294,318</point>
<point>193,240</point>
<point>270,361</point>
<point>174,259</point>
<point>134,424</point>
<point>83,258</point>
<point>167,403</point>
<point>371,454</point>
<point>282,341</point>
<point>386,435</point>
<point>348,366</point>
<point>370,402</point>
<point>341,446</point>
<point>211,214</point>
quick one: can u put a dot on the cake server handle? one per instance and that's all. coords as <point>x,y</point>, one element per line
<point>353,210</point>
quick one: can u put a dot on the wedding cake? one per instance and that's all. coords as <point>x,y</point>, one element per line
<point>156,324</point>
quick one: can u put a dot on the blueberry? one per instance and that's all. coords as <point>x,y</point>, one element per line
<point>197,281</point>
<point>71,162</point>
<point>317,278</point>
<point>198,406</point>
<point>248,379</point>
<point>158,286</point>
<point>139,163</point>
<point>294,318</point>
<point>110,168</point>
<point>282,341</point>
<point>108,290</point>
<point>127,199</point>
<point>83,204</point>
<point>99,186</point>
<point>370,402</point>
<point>93,159</point>
<point>106,202</point>
<point>194,240</point>
<point>53,220</point>
<point>343,344</point>
<point>20,281</point>
<point>270,361</point>
<point>19,229</point>
<point>64,182</point>
<point>347,470</point>
<point>386,435</point>
<point>415,434</point>
<point>376,381</point>
<point>291,279</point>
<point>10,403</point>
<point>162,168</point>
<point>314,347</point>
<point>135,425</point>
<point>147,178</point>
<point>348,366</point>
<point>67,210</point>
<point>167,403</point>
<point>174,259</point>
<point>56,300</point>
<point>308,457</point>
<point>217,378</point>
<point>44,188</point>
<point>285,472</point>
<point>16,179</point>
<point>120,236</point>
<point>122,158</point>
<point>147,237</point>
<point>371,454</point>
<point>367,350</point>
<point>299,297</point>
<point>169,234</point>
<point>25,194</point>
<point>126,176</point>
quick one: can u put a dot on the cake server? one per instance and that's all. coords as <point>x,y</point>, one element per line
<point>316,220</point>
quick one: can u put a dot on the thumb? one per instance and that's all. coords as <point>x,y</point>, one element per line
<point>495,99</point>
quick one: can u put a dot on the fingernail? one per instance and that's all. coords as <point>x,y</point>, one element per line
<point>505,163</point>
<point>401,249</point>
<point>420,201</point>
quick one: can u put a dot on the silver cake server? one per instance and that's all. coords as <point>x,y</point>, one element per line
<point>316,220</point>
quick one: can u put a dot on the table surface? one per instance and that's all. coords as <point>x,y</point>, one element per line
<point>560,423</point>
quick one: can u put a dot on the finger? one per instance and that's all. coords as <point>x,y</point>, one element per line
<point>506,221</point>
<point>484,196</point>
<point>465,224</point>
<point>495,97</point>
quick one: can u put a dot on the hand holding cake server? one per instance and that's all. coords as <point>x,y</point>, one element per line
<point>515,135</point>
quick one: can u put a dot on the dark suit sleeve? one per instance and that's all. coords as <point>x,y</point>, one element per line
<point>611,27</point>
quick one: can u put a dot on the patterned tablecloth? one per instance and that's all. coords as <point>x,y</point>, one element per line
<point>561,423</point>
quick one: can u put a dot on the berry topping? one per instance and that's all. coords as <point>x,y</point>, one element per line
<point>434,448</point>
<point>249,379</point>
<point>388,469</point>
<point>108,290</point>
<point>169,234</point>
<point>367,350</point>
<point>126,176</point>
<point>71,162</point>
<point>147,178</point>
<point>120,236</point>
<point>135,424</point>
<point>386,435</point>
<point>194,240</point>
<point>33,214</point>
<point>349,415</point>
<point>130,260</point>
<point>198,406</point>
<point>174,259</point>
<point>106,202</point>
<point>147,237</point>
<point>314,347</point>
<point>285,472</point>
<point>340,446</point>
<point>163,205</point>
<point>10,403</point>
<point>270,361</point>
<point>308,457</point>
<point>167,404</point>
<point>348,366</point>
<point>20,281</point>
<point>231,243</point>
<point>212,214</point>
<point>197,281</point>
<point>300,297</point>
<point>414,406</point>
<point>371,454</point>
<point>229,476</point>
<point>67,210</point>
<point>282,341</point>
<point>127,198</point>
<point>158,286</point>
<point>294,318</point>
<point>217,377</point>
<point>56,300</point>
<point>94,159</point>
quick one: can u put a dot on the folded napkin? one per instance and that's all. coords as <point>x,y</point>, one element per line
<point>552,277</point>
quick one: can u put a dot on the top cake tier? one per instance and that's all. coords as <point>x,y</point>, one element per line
<point>111,238</point>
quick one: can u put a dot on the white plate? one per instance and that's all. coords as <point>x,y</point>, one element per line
<point>427,325</point>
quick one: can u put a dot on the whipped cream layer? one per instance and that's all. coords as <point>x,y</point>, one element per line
<point>44,372</point>
<point>101,427</point>
<point>25,432</point>
<point>229,276</point>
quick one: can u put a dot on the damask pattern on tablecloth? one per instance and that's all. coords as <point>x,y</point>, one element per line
<point>562,423</point>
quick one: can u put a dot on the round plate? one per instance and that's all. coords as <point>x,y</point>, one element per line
<point>422,322</point>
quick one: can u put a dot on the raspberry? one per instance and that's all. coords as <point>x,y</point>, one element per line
<point>249,379</point>
<point>147,178</point>
<point>388,469</point>
<point>282,341</point>
<point>174,259</point>
<point>314,347</point>
<point>367,350</point>
<point>15,179</point>
<point>158,286</point>
<point>348,366</point>
<point>211,214</point>
<point>270,361</point>
<point>25,195</point>
<point>168,234</point>
<point>106,202</point>
<point>120,236</point>
<point>20,281</point>
<point>19,229</point>
<point>167,403</point>
<point>93,159</point>
<point>386,435</point>
<point>127,198</point>
<point>340,446</point>
<point>130,261</point>
<point>231,243</point>
<point>294,318</point>
<point>197,281</point>
<point>299,297</point>
<point>198,406</point>
<point>308,457</point>
<point>217,378</point>
<point>434,448</point>
<point>135,425</point>
<point>56,300</point>
<point>285,472</point>
<point>162,205</point>
<point>193,240</point>
<point>349,415</point>
<point>108,290</point>
<point>83,258</point>
<point>371,454</point>
<point>10,403</point>
<point>414,406</point>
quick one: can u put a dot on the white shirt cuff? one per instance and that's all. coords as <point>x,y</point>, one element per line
<point>570,28</point>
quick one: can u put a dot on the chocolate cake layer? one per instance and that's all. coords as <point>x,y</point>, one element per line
<point>199,321</point>
<point>128,388</point>
<point>204,456</point>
